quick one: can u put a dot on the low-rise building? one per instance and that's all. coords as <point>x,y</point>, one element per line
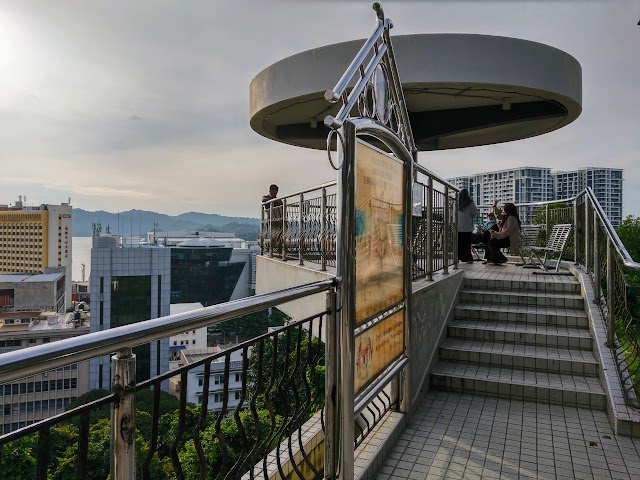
<point>40,292</point>
<point>195,377</point>
<point>189,340</point>
<point>45,394</point>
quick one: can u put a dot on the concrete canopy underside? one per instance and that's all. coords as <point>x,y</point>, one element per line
<point>461,90</point>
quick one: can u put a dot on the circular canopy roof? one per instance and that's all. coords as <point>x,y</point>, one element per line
<point>461,90</point>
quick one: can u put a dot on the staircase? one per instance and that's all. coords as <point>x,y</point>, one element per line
<point>521,339</point>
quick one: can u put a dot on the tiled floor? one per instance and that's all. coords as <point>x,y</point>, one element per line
<point>457,436</point>
<point>470,436</point>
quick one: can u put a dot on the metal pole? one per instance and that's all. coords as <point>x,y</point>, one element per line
<point>300,225</point>
<point>586,234</point>
<point>283,240</point>
<point>455,229</point>
<point>331,441</point>
<point>445,227</point>
<point>262,252</point>
<point>547,221</point>
<point>271,230</point>
<point>596,258</point>
<point>429,248</point>
<point>575,232</point>
<point>345,272</point>
<point>123,415</point>
<point>611,323</point>
<point>324,235</point>
<point>405,377</point>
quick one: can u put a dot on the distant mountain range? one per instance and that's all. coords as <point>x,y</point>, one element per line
<point>138,222</point>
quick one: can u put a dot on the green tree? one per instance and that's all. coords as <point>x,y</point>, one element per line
<point>629,233</point>
<point>17,460</point>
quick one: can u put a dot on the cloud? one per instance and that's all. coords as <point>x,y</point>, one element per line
<point>146,104</point>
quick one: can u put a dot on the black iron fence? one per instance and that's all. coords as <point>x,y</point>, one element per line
<point>253,409</point>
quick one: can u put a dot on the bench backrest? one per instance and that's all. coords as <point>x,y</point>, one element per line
<point>529,235</point>
<point>559,236</point>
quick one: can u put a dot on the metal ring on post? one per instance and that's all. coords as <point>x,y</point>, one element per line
<point>331,132</point>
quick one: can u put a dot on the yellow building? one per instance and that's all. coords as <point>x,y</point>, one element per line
<point>35,238</point>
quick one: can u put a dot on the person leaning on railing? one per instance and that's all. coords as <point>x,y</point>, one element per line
<point>273,207</point>
<point>507,237</point>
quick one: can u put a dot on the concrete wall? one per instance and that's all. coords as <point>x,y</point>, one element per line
<point>273,275</point>
<point>432,309</point>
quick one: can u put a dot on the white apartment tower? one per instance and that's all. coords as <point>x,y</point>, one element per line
<point>33,239</point>
<point>536,184</point>
<point>605,182</point>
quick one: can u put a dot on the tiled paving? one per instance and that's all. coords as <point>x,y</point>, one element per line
<point>517,338</point>
<point>459,436</point>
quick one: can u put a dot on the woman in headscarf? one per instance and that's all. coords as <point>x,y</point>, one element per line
<point>467,212</point>
<point>507,237</point>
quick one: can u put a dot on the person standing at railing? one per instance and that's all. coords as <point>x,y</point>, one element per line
<point>507,237</point>
<point>273,207</point>
<point>467,211</point>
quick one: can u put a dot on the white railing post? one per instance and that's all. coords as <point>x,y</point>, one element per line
<point>300,225</point>
<point>446,231</point>
<point>611,333</point>
<point>586,233</point>
<point>575,231</point>
<point>597,287</point>
<point>123,415</point>
<point>324,235</point>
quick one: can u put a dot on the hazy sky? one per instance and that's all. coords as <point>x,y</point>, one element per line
<point>145,104</point>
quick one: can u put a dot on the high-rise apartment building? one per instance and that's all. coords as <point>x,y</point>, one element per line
<point>605,182</point>
<point>35,238</point>
<point>539,184</point>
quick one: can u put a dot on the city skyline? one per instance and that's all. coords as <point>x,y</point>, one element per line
<point>145,106</point>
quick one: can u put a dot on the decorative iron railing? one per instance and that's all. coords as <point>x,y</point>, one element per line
<point>301,226</point>
<point>308,234</point>
<point>248,410</point>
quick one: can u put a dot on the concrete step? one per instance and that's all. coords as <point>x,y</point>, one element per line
<point>543,284</point>
<point>502,297</point>
<point>527,357</point>
<point>523,314</point>
<point>519,384</point>
<point>522,333</point>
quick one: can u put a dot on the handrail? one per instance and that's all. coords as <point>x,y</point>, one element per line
<point>429,173</point>
<point>534,204</point>
<point>29,361</point>
<point>302,192</point>
<point>611,231</point>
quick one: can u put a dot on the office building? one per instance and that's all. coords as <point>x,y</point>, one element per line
<point>45,394</point>
<point>43,292</point>
<point>129,285</point>
<point>33,239</point>
<point>536,184</point>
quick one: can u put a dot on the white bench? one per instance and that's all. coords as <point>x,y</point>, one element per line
<point>556,244</point>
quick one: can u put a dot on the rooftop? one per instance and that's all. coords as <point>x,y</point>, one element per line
<point>30,278</point>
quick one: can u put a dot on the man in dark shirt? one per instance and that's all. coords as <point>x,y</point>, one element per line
<point>274,214</point>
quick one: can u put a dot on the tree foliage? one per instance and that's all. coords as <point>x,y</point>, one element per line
<point>629,233</point>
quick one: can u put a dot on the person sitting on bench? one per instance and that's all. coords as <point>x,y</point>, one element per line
<point>482,234</point>
<point>507,237</point>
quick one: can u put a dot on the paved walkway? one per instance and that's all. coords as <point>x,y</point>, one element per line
<point>465,436</point>
<point>458,436</point>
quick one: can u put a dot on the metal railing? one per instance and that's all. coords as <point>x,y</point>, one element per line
<point>308,234</point>
<point>301,226</point>
<point>222,428</point>
<point>601,252</point>
<point>435,238</point>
